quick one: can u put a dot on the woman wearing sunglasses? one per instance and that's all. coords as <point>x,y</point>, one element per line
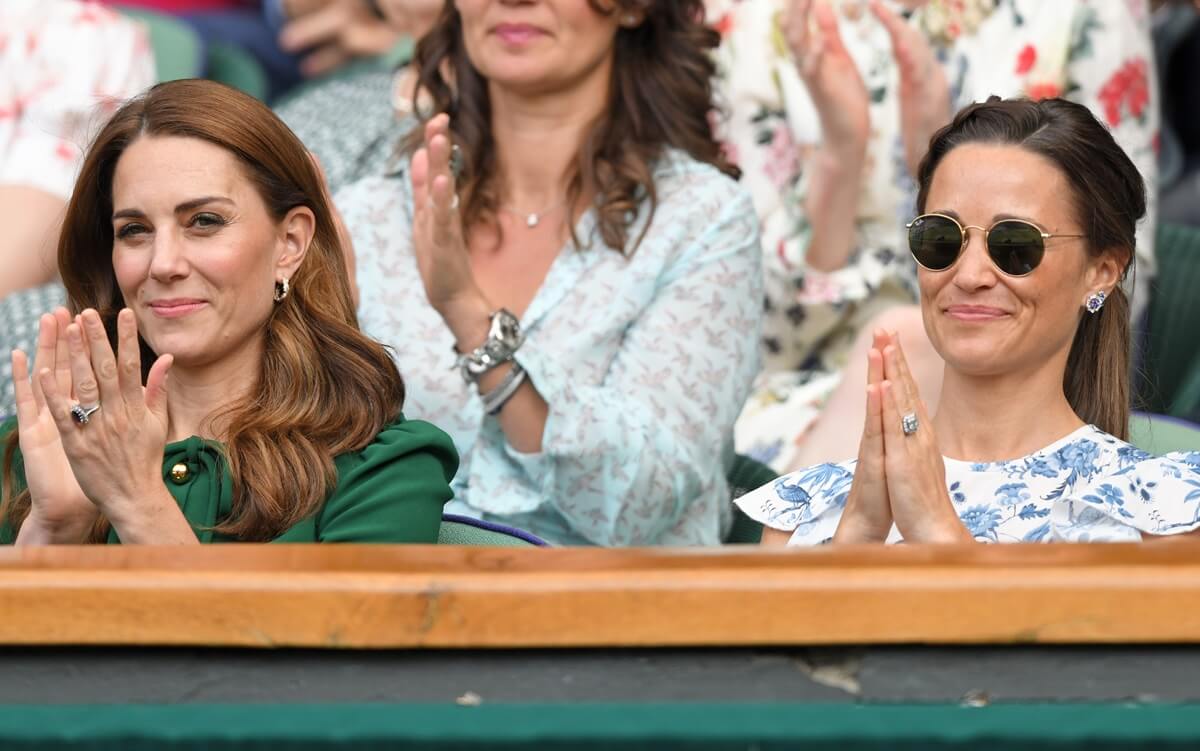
<point>1025,230</point>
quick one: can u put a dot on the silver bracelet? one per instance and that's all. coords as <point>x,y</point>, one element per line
<point>494,400</point>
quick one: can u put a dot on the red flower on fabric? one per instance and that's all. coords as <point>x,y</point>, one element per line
<point>1047,90</point>
<point>1127,88</point>
<point>724,25</point>
<point>1026,59</point>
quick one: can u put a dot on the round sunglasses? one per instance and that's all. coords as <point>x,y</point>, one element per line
<point>1014,245</point>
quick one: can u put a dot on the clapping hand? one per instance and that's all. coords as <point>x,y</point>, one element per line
<point>438,241</point>
<point>60,511</point>
<point>830,75</point>
<point>924,90</point>
<point>114,435</point>
<point>901,474</point>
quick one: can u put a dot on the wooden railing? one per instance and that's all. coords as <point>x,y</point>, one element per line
<point>438,596</point>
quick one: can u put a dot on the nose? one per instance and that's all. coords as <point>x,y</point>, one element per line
<point>974,270</point>
<point>169,261</point>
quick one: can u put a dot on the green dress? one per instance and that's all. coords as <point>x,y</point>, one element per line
<point>392,491</point>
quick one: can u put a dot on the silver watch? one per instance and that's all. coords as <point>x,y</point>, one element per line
<point>503,340</point>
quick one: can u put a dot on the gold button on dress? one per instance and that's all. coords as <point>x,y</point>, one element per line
<point>180,473</point>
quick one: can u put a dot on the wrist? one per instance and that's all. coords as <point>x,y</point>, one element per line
<point>469,318</point>
<point>38,530</point>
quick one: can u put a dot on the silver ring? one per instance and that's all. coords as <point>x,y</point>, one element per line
<point>81,414</point>
<point>909,423</point>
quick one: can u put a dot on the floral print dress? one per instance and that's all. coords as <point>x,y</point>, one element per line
<point>1085,487</point>
<point>1096,52</point>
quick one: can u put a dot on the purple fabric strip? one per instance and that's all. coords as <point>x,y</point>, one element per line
<point>520,534</point>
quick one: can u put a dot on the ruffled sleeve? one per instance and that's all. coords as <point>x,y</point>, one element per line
<point>1149,494</point>
<point>807,502</point>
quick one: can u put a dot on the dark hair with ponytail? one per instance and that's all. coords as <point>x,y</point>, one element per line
<point>1109,198</point>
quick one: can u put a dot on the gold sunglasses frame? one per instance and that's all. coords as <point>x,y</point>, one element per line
<point>962,230</point>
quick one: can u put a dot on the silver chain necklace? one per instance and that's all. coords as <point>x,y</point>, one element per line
<point>535,218</point>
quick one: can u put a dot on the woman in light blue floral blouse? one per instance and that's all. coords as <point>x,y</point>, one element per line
<point>590,206</point>
<point>1027,216</point>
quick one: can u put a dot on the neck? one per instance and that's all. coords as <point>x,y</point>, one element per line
<point>993,418</point>
<point>538,138</point>
<point>196,394</point>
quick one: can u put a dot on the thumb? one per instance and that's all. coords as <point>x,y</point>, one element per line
<point>156,386</point>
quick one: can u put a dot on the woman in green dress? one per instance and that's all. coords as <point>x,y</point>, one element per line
<point>210,382</point>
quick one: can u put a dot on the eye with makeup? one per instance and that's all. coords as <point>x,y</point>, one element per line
<point>128,231</point>
<point>206,220</point>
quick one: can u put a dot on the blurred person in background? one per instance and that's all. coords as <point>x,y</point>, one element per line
<point>831,106</point>
<point>577,290</point>
<point>1177,45</point>
<point>65,66</point>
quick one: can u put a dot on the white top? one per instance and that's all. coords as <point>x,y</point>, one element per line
<point>1085,487</point>
<point>644,359</point>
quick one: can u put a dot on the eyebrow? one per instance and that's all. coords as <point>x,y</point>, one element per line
<point>995,218</point>
<point>186,206</point>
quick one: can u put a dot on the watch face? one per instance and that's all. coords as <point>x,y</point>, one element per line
<point>508,327</point>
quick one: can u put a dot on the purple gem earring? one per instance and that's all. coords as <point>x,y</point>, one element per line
<point>1095,301</point>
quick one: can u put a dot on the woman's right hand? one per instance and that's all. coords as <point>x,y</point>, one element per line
<point>60,511</point>
<point>868,513</point>
<point>831,76</point>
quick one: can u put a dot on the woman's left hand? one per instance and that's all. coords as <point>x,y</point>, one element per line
<point>915,469</point>
<point>117,454</point>
<point>438,241</point>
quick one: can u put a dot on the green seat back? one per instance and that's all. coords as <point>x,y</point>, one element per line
<point>746,475</point>
<point>460,533</point>
<point>177,49</point>
<point>234,67</point>
<point>1159,435</point>
<point>1171,380</point>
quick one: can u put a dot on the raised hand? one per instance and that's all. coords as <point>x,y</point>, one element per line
<point>438,241</point>
<point>924,90</point>
<point>116,455</point>
<point>913,463</point>
<point>60,511</point>
<point>868,514</point>
<point>830,74</point>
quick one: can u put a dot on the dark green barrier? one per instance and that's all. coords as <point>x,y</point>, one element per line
<point>1096,727</point>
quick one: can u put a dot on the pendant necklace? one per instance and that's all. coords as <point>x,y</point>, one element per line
<point>535,218</point>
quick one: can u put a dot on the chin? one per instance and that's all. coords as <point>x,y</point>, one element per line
<point>973,355</point>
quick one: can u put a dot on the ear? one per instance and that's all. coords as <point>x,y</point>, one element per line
<point>1106,270</point>
<point>296,234</point>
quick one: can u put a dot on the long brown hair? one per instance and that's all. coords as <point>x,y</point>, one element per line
<point>661,96</point>
<point>1109,198</point>
<point>324,388</point>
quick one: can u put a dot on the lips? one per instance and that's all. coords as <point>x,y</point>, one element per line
<point>176,307</point>
<point>975,312</point>
<point>517,33</point>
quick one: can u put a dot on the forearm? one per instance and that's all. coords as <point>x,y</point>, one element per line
<point>33,219</point>
<point>832,207</point>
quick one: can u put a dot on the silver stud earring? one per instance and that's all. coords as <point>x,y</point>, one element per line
<point>1095,301</point>
<point>281,290</point>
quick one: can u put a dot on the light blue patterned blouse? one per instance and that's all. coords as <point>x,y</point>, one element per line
<point>1086,487</point>
<point>644,360</point>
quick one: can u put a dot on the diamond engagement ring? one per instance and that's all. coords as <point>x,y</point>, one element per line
<point>81,414</point>
<point>909,423</point>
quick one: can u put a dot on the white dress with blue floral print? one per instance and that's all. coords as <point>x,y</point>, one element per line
<point>1086,487</point>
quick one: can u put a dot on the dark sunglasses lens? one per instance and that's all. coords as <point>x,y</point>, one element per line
<point>934,241</point>
<point>1016,247</point>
